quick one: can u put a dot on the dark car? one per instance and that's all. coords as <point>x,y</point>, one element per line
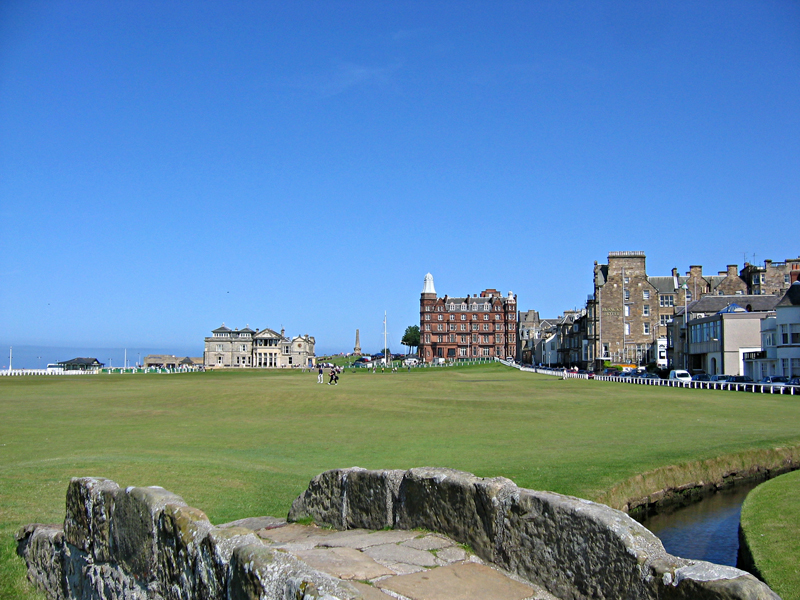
<point>612,372</point>
<point>794,381</point>
<point>649,376</point>
<point>740,379</point>
<point>720,378</point>
<point>701,377</point>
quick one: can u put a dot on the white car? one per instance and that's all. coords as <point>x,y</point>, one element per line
<point>680,375</point>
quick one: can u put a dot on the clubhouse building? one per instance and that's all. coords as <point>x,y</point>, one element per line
<point>254,348</point>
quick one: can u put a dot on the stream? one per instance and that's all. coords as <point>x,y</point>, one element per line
<point>706,530</point>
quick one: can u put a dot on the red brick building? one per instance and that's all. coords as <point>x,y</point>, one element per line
<point>466,328</point>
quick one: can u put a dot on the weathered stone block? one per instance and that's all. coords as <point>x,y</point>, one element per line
<point>323,501</point>
<point>259,572</point>
<point>182,575</point>
<point>576,548</point>
<point>455,503</point>
<point>41,547</point>
<point>134,529</point>
<point>370,498</point>
<point>90,501</point>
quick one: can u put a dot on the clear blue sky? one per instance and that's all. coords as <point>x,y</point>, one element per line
<point>169,166</point>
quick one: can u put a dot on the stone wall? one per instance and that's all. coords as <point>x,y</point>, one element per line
<point>574,548</point>
<point>146,543</point>
<point>138,543</point>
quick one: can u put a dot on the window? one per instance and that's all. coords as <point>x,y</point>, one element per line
<point>463,306</point>
<point>486,327</point>
<point>497,317</point>
<point>626,280</point>
<point>664,320</point>
<point>786,280</point>
<point>452,317</point>
<point>427,309</point>
<point>427,327</point>
<point>795,334</point>
<point>439,338</point>
<point>462,351</point>
<point>512,338</point>
<point>688,295</point>
<point>666,300</point>
<point>440,317</point>
<point>474,327</point>
<point>626,310</point>
<point>463,327</point>
<point>452,326</point>
<point>646,328</point>
<point>452,338</point>
<point>427,338</point>
<point>474,338</point>
<point>784,334</point>
<point>485,317</point>
<point>646,310</point>
<point>243,348</point>
<point>646,294</point>
<point>463,317</point>
<point>627,328</point>
<point>512,317</point>
<point>439,327</point>
<point>427,317</point>
<point>626,295</point>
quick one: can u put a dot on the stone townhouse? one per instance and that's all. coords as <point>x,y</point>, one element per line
<point>772,278</point>
<point>249,348</point>
<point>468,327</point>
<point>629,312</point>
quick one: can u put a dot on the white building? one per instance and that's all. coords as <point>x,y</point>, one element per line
<point>780,340</point>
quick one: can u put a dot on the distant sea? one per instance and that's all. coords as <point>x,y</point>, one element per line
<point>38,357</point>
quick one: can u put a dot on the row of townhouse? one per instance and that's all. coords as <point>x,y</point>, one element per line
<point>630,318</point>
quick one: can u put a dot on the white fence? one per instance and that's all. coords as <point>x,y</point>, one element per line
<point>758,388</point>
<point>15,372</point>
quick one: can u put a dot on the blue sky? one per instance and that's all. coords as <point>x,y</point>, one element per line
<point>169,166</point>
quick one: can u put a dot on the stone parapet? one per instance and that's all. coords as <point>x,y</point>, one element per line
<point>145,543</point>
<point>574,548</point>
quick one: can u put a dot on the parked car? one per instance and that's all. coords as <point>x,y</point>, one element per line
<point>628,374</point>
<point>612,372</point>
<point>740,379</point>
<point>794,381</point>
<point>778,380</point>
<point>721,378</point>
<point>649,376</point>
<point>680,375</point>
<point>701,377</point>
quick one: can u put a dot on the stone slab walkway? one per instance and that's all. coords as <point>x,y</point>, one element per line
<point>404,565</point>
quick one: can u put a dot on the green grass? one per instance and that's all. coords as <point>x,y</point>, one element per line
<point>770,517</point>
<point>238,444</point>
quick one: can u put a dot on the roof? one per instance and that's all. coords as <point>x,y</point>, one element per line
<point>222,329</point>
<point>81,361</point>
<point>664,285</point>
<point>792,296</point>
<point>714,304</point>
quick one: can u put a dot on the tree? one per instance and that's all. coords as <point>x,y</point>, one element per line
<point>411,337</point>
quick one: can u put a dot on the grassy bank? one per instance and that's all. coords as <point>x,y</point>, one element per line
<point>241,444</point>
<point>770,522</point>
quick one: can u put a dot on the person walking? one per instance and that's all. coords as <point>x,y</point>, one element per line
<point>321,375</point>
<point>333,376</point>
